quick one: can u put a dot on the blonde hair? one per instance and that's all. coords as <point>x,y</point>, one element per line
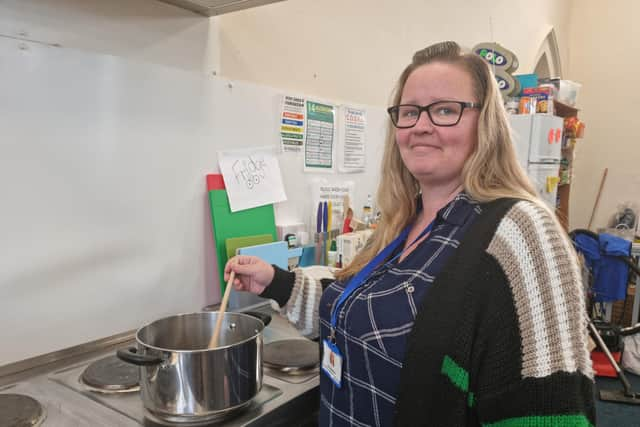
<point>491,172</point>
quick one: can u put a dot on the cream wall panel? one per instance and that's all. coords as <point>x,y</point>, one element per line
<point>604,58</point>
<point>355,49</point>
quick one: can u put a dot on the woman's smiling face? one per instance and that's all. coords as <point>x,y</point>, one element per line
<point>435,155</point>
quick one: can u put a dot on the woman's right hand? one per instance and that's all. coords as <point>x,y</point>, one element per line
<point>252,274</point>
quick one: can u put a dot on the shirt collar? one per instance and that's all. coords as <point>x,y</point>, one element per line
<point>458,210</point>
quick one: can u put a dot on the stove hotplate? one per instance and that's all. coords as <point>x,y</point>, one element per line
<point>19,410</point>
<point>111,375</point>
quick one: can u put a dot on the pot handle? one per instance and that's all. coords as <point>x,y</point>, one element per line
<point>266,318</point>
<point>131,355</point>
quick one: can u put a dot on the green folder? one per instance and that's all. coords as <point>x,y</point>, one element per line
<point>227,224</point>
<point>236,243</point>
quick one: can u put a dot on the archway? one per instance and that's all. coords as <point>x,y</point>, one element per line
<point>548,63</point>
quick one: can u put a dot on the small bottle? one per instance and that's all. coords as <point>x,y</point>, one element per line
<point>367,211</point>
<point>331,255</point>
<point>292,240</point>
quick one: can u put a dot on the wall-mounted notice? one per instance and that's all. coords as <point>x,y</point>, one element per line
<point>351,156</point>
<point>292,124</point>
<point>323,190</point>
<point>252,177</point>
<point>319,144</point>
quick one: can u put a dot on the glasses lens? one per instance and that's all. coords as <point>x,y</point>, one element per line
<point>405,115</point>
<point>445,113</point>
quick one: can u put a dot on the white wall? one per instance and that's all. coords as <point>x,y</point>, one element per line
<point>356,49</point>
<point>604,58</point>
<point>105,221</point>
<point>52,290</point>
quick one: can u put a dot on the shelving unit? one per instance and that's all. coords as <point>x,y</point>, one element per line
<point>564,190</point>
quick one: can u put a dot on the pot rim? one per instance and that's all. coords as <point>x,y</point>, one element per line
<point>200,350</point>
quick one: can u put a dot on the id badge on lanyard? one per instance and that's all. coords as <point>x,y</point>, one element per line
<point>331,356</point>
<point>332,362</point>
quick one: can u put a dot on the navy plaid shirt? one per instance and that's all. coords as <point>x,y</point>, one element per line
<point>376,319</point>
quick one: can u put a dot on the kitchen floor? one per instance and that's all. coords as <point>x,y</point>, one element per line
<point>611,414</point>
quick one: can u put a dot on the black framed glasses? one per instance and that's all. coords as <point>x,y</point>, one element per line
<point>441,113</point>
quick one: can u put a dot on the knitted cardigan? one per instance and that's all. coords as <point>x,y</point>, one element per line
<point>500,339</point>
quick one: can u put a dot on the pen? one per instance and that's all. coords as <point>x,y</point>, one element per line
<point>328,242</point>
<point>325,219</point>
<point>325,216</point>
<point>319,218</point>
<point>318,231</point>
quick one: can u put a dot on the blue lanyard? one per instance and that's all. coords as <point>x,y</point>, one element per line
<point>363,274</point>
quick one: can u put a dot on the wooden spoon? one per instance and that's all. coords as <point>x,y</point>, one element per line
<point>223,307</point>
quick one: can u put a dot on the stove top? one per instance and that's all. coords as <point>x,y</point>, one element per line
<point>130,405</point>
<point>89,394</point>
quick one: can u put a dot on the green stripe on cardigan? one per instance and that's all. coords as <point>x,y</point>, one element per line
<point>471,400</point>
<point>456,373</point>
<point>544,421</point>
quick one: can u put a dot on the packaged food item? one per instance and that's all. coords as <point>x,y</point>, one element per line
<point>512,104</point>
<point>527,80</point>
<point>544,97</point>
<point>565,171</point>
<point>555,82</point>
<point>573,127</point>
<point>527,105</point>
<point>551,87</point>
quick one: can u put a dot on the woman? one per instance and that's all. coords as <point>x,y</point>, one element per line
<point>465,307</point>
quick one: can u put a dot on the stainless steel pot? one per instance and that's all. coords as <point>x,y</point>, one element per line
<point>182,380</point>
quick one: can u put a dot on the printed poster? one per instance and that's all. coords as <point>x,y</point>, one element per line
<point>352,140</point>
<point>320,134</point>
<point>252,177</point>
<point>292,120</point>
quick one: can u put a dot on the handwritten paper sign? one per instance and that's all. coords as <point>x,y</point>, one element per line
<point>252,177</point>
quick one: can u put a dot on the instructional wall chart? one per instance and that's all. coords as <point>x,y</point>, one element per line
<point>352,140</point>
<point>292,123</point>
<point>318,151</point>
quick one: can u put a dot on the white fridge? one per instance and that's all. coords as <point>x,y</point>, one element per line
<point>538,144</point>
